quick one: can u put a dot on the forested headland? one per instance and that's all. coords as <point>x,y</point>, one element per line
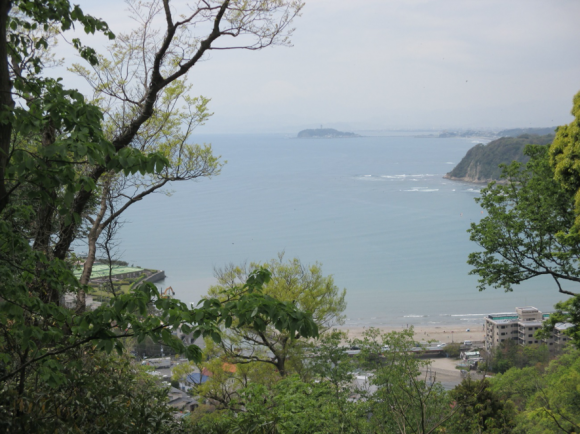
<point>482,162</point>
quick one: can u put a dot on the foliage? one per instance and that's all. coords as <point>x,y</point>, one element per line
<point>521,236</point>
<point>289,406</point>
<point>481,163</point>
<point>57,153</point>
<point>303,286</point>
<point>330,362</point>
<point>480,409</point>
<point>547,401</point>
<point>526,234</point>
<point>564,160</point>
<point>100,394</point>
<point>407,397</point>
<point>453,350</point>
<point>509,355</point>
<point>532,225</point>
<point>227,379</point>
<point>395,392</point>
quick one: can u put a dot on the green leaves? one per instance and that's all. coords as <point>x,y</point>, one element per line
<point>524,233</point>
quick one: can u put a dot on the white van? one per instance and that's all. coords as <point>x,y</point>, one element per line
<point>466,342</point>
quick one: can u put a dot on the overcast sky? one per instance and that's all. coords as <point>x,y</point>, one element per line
<point>383,64</point>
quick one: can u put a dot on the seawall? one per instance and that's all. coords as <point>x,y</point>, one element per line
<point>156,277</point>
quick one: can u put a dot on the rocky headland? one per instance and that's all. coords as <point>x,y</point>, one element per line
<point>481,163</point>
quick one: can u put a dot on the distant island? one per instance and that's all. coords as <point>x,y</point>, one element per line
<point>325,133</point>
<point>481,163</point>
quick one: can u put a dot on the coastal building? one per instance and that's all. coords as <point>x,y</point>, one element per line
<point>520,326</point>
<point>100,273</point>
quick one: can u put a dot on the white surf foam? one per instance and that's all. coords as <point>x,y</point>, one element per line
<point>423,189</point>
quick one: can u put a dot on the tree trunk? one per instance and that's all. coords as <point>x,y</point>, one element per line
<point>6,101</point>
<point>93,236</point>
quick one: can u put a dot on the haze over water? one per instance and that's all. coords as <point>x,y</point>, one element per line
<point>375,211</point>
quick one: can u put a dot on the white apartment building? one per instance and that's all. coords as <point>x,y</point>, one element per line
<point>520,326</point>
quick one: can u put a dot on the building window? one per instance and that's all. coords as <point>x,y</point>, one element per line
<point>530,336</point>
<point>529,342</point>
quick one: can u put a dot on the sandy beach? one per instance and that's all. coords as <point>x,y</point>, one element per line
<point>447,334</point>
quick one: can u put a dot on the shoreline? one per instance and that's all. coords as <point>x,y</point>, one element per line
<point>442,333</point>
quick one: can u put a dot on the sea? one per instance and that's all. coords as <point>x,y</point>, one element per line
<point>375,211</point>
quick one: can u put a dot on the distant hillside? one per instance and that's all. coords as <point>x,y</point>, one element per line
<point>515,132</point>
<point>481,162</point>
<point>324,133</point>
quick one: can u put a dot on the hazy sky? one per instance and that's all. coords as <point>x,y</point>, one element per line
<point>366,64</point>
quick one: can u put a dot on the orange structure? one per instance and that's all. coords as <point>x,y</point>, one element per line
<point>165,293</point>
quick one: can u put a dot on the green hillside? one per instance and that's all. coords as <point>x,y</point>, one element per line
<point>481,163</point>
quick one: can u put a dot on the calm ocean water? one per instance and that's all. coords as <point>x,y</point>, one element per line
<point>375,211</point>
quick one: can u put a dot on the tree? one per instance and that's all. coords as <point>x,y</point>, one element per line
<point>532,224</point>
<point>119,81</point>
<point>333,366</point>
<point>509,355</point>
<point>57,152</point>
<point>546,400</point>
<point>480,409</point>
<point>290,405</point>
<point>101,394</point>
<point>523,235</point>
<point>303,286</point>
<point>408,398</point>
<point>564,160</point>
<point>527,233</point>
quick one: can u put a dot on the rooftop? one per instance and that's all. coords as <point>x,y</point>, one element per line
<point>197,378</point>
<point>531,323</point>
<point>561,326</point>
<point>503,317</point>
<point>102,270</point>
<point>527,309</point>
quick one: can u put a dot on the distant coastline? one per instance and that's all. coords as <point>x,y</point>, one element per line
<point>472,180</point>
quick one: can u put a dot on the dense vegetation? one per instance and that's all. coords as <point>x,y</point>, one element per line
<point>70,165</point>
<point>481,163</point>
<point>385,389</point>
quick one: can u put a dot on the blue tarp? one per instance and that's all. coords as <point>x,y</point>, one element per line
<point>197,378</point>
